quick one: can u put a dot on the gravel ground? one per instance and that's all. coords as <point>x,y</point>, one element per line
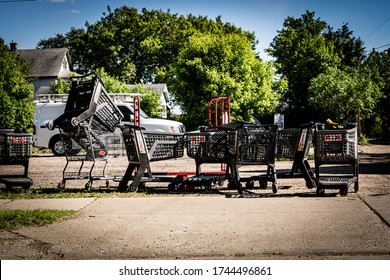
<point>73,239</point>
<point>46,171</point>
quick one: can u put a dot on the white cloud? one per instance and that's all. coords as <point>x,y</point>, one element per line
<point>75,12</point>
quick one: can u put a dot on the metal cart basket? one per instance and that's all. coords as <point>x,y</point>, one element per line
<point>337,147</point>
<point>294,143</point>
<point>87,154</point>
<point>86,129</point>
<point>256,146</point>
<point>15,149</point>
<point>214,145</point>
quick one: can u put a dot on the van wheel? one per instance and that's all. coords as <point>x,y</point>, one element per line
<point>57,146</point>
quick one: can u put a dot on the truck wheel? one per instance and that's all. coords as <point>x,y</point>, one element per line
<point>57,145</point>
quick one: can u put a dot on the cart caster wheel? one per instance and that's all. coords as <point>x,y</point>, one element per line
<point>220,183</point>
<point>88,186</point>
<point>344,191</point>
<point>262,184</point>
<point>133,188</point>
<point>74,122</point>
<point>320,192</point>
<point>181,187</point>
<point>171,187</point>
<point>356,186</point>
<point>121,187</point>
<point>274,188</point>
<point>250,184</point>
<point>239,188</point>
<point>61,185</point>
<point>208,188</point>
<point>231,186</point>
<point>107,184</point>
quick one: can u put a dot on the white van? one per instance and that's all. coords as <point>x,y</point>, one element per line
<point>47,111</point>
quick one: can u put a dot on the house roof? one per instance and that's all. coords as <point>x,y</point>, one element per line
<point>46,62</point>
<point>160,88</point>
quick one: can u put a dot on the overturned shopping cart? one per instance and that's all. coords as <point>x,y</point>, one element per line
<point>336,150</point>
<point>86,128</point>
<point>294,144</point>
<point>143,147</point>
<point>15,149</point>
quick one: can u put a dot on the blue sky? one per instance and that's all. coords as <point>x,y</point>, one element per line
<point>28,21</point>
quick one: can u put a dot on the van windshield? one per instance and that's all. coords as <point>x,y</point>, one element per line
<point>128,113</point>
<point>143,114</point>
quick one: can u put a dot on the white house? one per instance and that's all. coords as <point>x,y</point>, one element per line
<point>162,91</point>
<point>47,65</point>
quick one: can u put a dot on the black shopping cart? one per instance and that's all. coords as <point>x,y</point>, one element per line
<point>213,145</point>
<point>15,149</point>
<point>335,151</point>
<point>143,147</point>
<point>256,146</point>
<point>294,144</point>
<point>87,129</point>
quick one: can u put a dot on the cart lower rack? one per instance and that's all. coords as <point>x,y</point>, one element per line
<point>15,149</point>
<point>337,148</point>
<point>84,150</point>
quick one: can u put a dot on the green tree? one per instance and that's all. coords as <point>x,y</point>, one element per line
<point>348,48</point>
<point>305,48</point>
<point>133,46</point>
<point>347,95</point>
<point>60,86</point>
<point>15,90</point>
<point>301,52</point>
<point>379,65</point>
<point>212,66</point>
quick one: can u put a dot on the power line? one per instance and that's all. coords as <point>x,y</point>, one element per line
<point>376,29</point>
<point>382,46</point>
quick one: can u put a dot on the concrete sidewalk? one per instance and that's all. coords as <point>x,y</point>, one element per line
<point>207,227</point>
<point>380,205</point>
<point>46,203</point>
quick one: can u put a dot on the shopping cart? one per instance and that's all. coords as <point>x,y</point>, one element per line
<point>143,147</point>
<point>15,149</point>
<point>336,148</point>
<point>256,146</point>
<point>87,129</point>
<point>212,145</point>
<point>294,144</point>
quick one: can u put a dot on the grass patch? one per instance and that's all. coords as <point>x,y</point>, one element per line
<point>10,219</point>
<point>19,193</point>
<point>36,150</point>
